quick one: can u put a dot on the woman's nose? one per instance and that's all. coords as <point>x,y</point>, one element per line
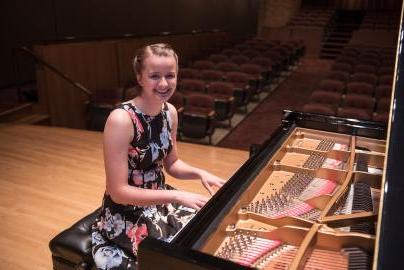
<point>163,82</point>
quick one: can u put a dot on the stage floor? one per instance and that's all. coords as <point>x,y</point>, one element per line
<point>51,177</point>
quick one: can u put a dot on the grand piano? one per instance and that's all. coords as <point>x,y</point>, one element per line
<point>321,193</point>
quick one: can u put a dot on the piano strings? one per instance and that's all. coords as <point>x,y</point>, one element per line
<point>295,189</point>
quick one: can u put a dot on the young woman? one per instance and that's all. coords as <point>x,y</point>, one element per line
<point>139,140</point>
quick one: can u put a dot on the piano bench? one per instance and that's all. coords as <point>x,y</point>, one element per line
<point>71,249</point>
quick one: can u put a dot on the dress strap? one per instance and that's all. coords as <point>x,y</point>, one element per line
<point>167,116</point>
<point>137,124</point>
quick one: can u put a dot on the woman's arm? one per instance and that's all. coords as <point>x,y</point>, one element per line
<point>118,134</point>
<point>181,170</point>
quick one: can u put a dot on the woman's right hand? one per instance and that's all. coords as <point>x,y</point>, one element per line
<point>189,199</point>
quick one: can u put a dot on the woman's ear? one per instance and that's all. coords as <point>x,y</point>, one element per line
<point>138,77</point>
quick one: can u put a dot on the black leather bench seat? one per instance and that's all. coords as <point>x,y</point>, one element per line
<point>71,249</point>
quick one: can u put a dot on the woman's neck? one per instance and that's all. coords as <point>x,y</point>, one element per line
<point>148,108</point>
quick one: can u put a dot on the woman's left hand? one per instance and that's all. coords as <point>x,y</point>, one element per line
<point>209,181</point>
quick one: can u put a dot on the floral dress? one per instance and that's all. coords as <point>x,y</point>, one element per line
<point>119,228</point>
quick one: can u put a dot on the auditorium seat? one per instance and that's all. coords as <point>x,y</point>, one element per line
<point>346,60</point>
<point>349,52</point>
<point>318,108</point>
<point>383,91</point>
<point>211,75</point>
<point>338,76</point>
<point>368,61</point>
<point>261,47</point>
<point>129,92</point>
<point>284,56</point>
<point>251,53</point>
<point>332,85</point>
<point>227,66</point>
<point>344,67</point>
<point>192,86</point>
<point>241,89</point>
<point>330,99</point>
<point>204,64</point>
<point>188,73</point>
<point>198,117</point>
<point>266,64</point>
<point>276,59</point>
<point>383,105</point>
<point>231,52</point>
<point>293,51</point>
<point>178,100</point>
<point>365,77</point>
<point>361,88</point>
<point>242,46</point>
<point>365,69</point>
<point>386,80</point>
<point>386,71</point>
<point>240,59</point>
<point>104,100</point>
<point>382,110</point>
<point>256,79</point>
<point>222,92</point>
<point>350,112</point>
<point>357,106</point>
<point>216,58</point>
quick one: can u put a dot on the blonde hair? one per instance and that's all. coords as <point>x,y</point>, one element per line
<point>158,49</point>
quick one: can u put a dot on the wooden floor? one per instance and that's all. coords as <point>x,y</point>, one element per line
<point>51,177</point>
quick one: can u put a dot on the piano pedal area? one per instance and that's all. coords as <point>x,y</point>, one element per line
<point>313,206</point>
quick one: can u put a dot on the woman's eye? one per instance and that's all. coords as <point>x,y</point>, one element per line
<point>170,76</point>
<point>155,77</point>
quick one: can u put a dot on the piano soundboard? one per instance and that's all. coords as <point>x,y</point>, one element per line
<point>313,206</point>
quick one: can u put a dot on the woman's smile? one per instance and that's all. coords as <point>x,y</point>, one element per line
<point>163,93</point>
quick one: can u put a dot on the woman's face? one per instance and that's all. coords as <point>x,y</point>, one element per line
<point>158,78</point>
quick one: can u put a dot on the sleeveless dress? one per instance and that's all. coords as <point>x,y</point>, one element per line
<point>119,229</point>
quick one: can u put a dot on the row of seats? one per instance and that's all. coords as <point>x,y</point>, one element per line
<point>321,18</point>
<point>381,21</point>
<point>212,89</point>
<point>350,106</point>
<point>358,55</point>
<point>357,89</point>
<point>334,84</point>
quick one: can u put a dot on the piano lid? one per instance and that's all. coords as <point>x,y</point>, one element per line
<point>389,250</point>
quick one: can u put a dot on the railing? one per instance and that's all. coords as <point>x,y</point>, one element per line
<point>58,72</point>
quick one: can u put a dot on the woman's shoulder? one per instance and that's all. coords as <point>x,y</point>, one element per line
<point>119,117</point>
<point>118,128</point>
<point>171,109</point>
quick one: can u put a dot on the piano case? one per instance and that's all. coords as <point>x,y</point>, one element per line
<point>308,197</point>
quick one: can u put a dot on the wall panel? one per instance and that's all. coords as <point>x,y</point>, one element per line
<point>33,22</point>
